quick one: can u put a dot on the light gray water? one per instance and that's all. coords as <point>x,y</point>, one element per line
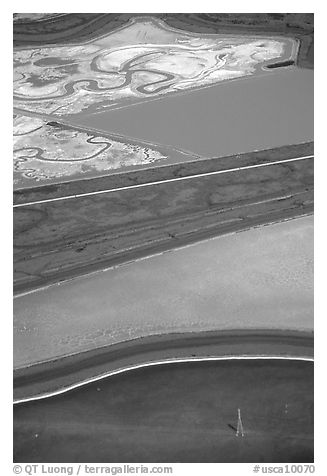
<point>247,114</point>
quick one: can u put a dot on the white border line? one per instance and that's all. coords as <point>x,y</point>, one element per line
<point>129,187</point>
<point>152,364</point>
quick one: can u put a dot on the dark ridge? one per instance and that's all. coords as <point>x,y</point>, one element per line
<point>281,64</point>
<point>54,124</point>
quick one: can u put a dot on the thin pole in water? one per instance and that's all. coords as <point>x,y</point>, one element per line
<point>240,430</point>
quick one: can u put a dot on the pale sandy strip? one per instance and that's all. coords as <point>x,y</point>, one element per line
<point>153,255</point>
<point>129,187</point>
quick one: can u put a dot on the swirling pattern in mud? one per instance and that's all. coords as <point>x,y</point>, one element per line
<point>141,60</point>
<point>44,151</point>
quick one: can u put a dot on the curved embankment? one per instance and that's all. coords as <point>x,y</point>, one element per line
<point>186,412</point>
<point>59,375</point>
<point>78,27</point>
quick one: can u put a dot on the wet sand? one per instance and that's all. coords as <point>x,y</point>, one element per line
<point>261,278</point>
<point>229,118</point>
<point>176,413</point>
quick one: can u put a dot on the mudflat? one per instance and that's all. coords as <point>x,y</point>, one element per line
<point>261,278</point>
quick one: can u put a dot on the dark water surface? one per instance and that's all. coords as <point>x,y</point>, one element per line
<point>247,114</point>
<point>185,412</point>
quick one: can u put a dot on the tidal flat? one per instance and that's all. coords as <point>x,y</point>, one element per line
<point>260,278</point>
